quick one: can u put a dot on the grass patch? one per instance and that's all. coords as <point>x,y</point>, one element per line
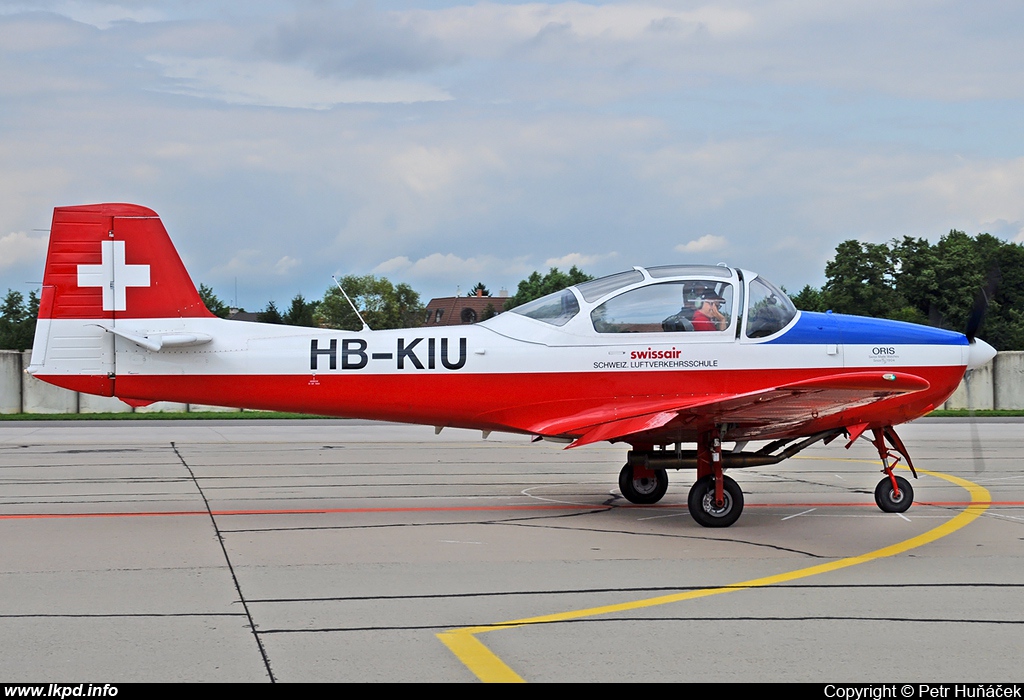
<point>178,415</point>
<point>274,415</point>
<point>966,413</point>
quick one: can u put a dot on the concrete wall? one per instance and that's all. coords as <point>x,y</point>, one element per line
<point>1009,387</point>
<point>979,385</point>
<point>39,397</point>
<point>999,384</point>
<point>10,381</point>
<point>87,403</point>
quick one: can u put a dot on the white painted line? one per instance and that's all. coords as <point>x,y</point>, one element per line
<point>457,542</point>
<point>655,517</point>
<point>797,515</point>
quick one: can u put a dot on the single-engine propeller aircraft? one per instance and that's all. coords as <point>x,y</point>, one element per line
<point>655,357</point>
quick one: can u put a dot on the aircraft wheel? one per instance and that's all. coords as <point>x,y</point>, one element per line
<point>702,502</point>
<point>643,491</point>
<point>889,501</point>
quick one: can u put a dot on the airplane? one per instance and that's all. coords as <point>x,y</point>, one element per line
<point>653,357</point>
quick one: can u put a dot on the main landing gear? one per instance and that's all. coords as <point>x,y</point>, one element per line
<point>715,500</point>
<point>642,485</point>
<point>706,510</point>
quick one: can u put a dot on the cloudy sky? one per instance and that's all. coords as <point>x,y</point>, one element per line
<point>444,143</point>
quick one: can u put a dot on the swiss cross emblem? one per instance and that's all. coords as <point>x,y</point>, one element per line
<point>113,275</point>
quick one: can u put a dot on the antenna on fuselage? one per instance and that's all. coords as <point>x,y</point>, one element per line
<point>358,315</point>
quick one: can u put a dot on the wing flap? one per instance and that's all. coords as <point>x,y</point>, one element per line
<point>780,406</point>
<point>627,426</point>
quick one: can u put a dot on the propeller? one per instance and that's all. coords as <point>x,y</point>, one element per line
<point>979,353</point>
<point>981,300</point>
<point>979,460</point>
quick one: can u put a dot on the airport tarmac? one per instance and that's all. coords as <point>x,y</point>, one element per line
<point>355,551</point>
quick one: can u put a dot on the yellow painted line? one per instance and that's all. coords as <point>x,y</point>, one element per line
<point>490,669</point>
<point>477,657</point>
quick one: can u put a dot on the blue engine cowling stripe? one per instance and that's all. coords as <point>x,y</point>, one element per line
<point>815,328</point>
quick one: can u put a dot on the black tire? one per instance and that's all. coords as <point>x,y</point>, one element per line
<point>643,491</point>
<point>702,502</point>
<point>888,501</point>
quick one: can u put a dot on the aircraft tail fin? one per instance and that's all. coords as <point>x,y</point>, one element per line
<point>105,263</point>
<point>110,261</point>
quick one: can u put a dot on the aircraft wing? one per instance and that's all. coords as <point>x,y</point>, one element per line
<point>758,412</point>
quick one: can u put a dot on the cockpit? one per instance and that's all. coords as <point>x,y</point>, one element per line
<point>712,301</point>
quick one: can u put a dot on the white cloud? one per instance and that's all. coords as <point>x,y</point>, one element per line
<point>396,264</point>
<point>705,244</point>
<point>440,274</point>
<point>270,84</point>
<point>440,265</point>
<point>285,265</point>
<point>578,259</point>
<point>19,247</point>
<point>492,28</point>
<point>252,264</point>
<point>105,14</point>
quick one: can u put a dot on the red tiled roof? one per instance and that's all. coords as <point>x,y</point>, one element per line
<point>456,311</point>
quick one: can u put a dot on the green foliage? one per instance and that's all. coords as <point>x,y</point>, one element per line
<point>381,303</point>
<point>213,304</point>
<point>916,281</point>
<point>301,312</point>
<point>18,320</point>
<point>536,286</point>
<point>860,280</point>
<point>479,287</point>
<point>809,299</point>
<point>270,314</point>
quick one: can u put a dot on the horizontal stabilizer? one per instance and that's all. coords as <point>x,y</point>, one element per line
<point>155,342</point>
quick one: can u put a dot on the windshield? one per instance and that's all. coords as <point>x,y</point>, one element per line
<point>595,289</point>
<point>769,310</point>
<point>556,308</point>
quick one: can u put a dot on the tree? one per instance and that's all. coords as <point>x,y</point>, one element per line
<point>536,286</point>
<point>270,314</point>
<point>479,289</point>
<point>18,320</point>
<point>917,281</point>
<point>381,303</point>
<point>860,280</point>
<point>914,280</point>
<point>809,299</point>
<point>300,313</point>
<point>213,304</point>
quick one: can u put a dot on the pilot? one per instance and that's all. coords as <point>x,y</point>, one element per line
<point>683,320</point>
<point>709,316</point>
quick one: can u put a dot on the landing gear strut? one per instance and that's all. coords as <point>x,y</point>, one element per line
<point>889,499</point>
<point>715,500</point>
<point>642,485</point>
<point>709,512</point>
<point>893,494</point>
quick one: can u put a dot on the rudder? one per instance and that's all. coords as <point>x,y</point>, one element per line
<point>104,263</point>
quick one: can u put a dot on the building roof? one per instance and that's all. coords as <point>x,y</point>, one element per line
<point>455,311</point>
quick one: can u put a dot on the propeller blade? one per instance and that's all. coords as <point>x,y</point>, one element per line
<point>981,301</point>
<point>979,460</point>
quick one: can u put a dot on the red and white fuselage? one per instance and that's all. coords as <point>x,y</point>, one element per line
<point>119,316</point>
